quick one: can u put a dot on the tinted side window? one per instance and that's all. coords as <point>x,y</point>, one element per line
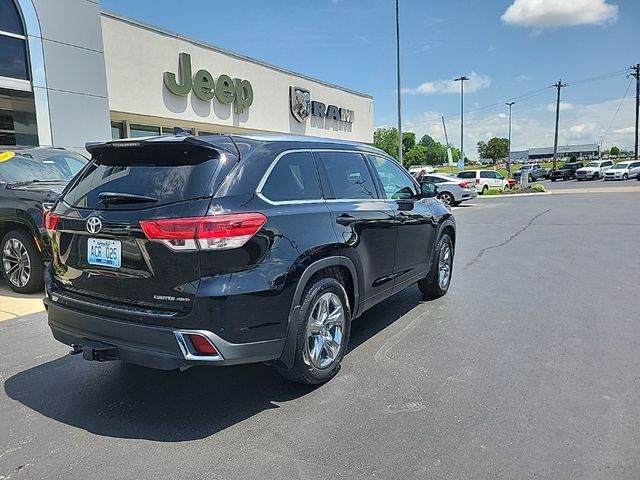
<point>396,183</point>
<point>348,175</point>
<point>431,179</point>
<point>486,175</point>
<point>293,178</point>
<point>470,174</point>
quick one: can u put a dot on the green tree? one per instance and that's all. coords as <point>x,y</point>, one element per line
<point>426,141</point>
<point>614,151</point>
<point>408,141</point>
<point>416,156</point>
<point>386,139</point>
<point>495,149</point>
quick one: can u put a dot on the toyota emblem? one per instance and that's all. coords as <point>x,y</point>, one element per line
<point>94,225</point>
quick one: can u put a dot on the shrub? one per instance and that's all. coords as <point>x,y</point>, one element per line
<point>539,188</point>
<point>493,191</point>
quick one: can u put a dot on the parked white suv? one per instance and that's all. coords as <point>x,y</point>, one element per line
<point>485,179</point>
<point>623,171</point>
<point>594,170</point>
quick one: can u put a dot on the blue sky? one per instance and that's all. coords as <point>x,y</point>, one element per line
<point>512,49</point>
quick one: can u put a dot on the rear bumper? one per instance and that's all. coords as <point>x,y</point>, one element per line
<point>148,345</point>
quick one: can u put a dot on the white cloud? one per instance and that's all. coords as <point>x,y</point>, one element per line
<point>551,107</point>
<point>524,78</point>
<point>540,14</point>
<point>476,82</point>
<point>625,130</point>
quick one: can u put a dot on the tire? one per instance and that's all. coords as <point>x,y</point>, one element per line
<point>553,179</point>
<point>22,265</point>
<point>484,190</point>
<point>431,286</point>
<point>313,365</point>
<point>596,176</point>
<point>447,198</point>
<point>530,179</point>
<point>625,177</point>
<point>455,204</point>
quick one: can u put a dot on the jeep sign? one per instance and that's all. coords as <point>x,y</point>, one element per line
<point>226,90</point>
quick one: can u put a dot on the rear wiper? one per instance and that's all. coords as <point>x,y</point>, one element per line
<point>116,197</point>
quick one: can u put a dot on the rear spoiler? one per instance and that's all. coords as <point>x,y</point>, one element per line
<point>221,144</point>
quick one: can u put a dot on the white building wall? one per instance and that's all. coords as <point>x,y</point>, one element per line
<point>75,80</point>
<point>137,56</point>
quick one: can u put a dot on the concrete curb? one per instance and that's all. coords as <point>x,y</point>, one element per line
<point>515,195</point>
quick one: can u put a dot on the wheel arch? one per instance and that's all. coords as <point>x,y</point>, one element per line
<point>7,226</point>
<point>352,289</point>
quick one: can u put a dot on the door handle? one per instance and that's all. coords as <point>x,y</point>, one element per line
<point>345,219</point>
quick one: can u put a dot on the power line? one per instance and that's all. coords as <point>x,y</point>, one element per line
<point>626,92</point>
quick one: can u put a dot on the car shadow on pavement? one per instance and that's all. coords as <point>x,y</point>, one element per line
<point>124,401</point>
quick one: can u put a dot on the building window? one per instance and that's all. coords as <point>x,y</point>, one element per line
<point>17,107</point>
<point>17,118</point>
<point>13,44</point>
<point>117,130</point>
<point>143,131</point>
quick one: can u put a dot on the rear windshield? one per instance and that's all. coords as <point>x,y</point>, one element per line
<point>161,174</point>
<point>28,166</point>
<point>467,175</point>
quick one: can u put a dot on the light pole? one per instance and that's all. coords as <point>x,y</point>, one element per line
<point>509,104</point>
<point>398,86</point>
<point>461,160</point>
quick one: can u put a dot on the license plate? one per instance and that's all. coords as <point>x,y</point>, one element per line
<point>106,253</point>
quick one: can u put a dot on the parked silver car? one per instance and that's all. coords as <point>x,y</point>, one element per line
<point>623,171</point>
<point>451,190</point>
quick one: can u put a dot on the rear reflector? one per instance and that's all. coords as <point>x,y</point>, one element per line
<point>202,344</point>
<point>50,220</point>
<point>215,232</point>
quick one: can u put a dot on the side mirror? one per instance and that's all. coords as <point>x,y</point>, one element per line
<point>429,189</point>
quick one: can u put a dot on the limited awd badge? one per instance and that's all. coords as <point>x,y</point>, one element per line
<point>93,225</point>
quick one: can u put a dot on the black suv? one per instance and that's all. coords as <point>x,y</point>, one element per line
<point>30,181</point>
<point>178,251</point>
<point>566,172</point>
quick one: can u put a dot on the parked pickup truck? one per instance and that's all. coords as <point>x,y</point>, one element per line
<point>565,172</point>
<point>534,171</point>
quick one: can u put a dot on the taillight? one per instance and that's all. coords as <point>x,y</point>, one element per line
<point>50,220</point>
<point>477,181</point>
<point>215,232</point>
<point>464,185</point>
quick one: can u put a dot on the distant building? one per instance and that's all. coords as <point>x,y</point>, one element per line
<point>584,151</point>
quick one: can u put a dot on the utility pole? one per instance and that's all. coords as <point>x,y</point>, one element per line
<point>461,80</point>
<point>558,85</point>
<point>398,73</point>
<point>446,139</point>
<point>509,104</point>
<point>636,68</point>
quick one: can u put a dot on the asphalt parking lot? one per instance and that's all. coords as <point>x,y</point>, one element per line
<point>528,368</point>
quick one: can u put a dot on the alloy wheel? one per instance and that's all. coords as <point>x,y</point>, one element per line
<point>16,262</point>
<point>444,266</point>
<point>324,331</point>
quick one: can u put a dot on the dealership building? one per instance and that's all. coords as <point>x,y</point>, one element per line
<point>71,74</point>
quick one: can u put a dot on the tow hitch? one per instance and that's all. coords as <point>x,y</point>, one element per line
<point>96,351</point>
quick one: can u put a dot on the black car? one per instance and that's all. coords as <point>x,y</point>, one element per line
<point>566,172</point>
<point>178,251</point>
<point>30,181</point>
